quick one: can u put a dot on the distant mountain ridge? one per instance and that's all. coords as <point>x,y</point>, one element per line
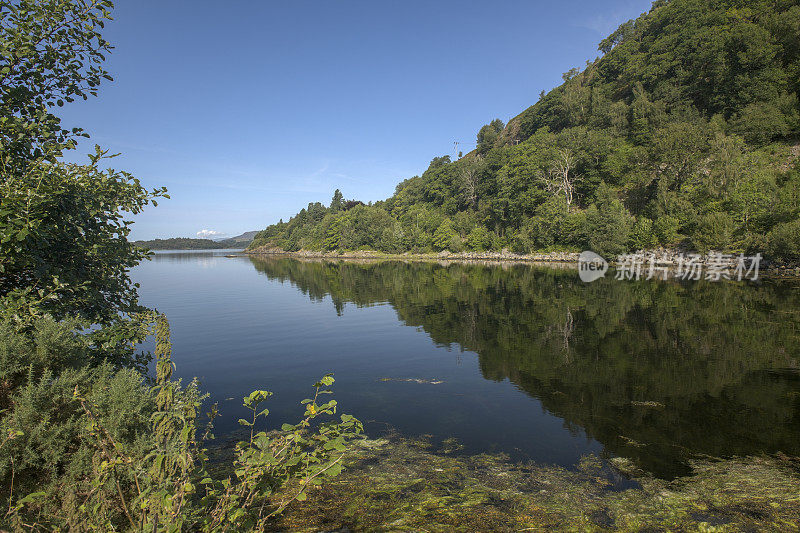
<point>246,237</point>
<point>189,243</point>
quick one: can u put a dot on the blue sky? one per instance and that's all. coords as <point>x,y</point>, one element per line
<point>247,110</point>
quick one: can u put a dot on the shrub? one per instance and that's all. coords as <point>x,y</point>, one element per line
<point>666,229</point>
<point>444,235</point>
<point>608,227</point>
<point>104,452</point>
<point>642,236</point>
<point>784,240</point>
<point>479,239</point>
<point>521,243</point>
<point>714,232</point>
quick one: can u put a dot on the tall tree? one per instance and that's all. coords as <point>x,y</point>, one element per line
<point>337,202</point>
<point>561,178</point>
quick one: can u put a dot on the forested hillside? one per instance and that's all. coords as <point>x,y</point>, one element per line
<point>683,133</point>
<point>187,243</point>
<point>180,243</point>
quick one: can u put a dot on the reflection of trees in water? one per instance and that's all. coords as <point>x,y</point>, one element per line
<point>564,331</point>
<point>651,369</point>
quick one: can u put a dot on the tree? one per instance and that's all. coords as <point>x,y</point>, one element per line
<point>488,135</point>
<point>469,185</point>
<point>63,233</point>
<point>444,235</point>
<point>51,52</point>
<point>784,240</point>
<point>560,179</point>
<point>714,232</point>
<point>608,224</point>
<point>337,202</point>
<point>479,239</point>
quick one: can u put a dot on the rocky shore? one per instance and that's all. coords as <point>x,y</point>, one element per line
<point>670,258</point>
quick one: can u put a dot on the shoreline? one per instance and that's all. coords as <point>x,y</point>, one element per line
<point>560,259</point>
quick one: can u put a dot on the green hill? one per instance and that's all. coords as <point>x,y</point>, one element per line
<point>180,243</point>
<point>686,131</point>
<point>186,243</point>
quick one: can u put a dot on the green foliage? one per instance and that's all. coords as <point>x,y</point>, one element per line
<point>666,229</point>
<point>488,135</point>
<point>479,239</point>
<point>51,52</point>
<point>445,238</point>
<point>714,232</point>
<point>608,226</point>
<point>52,454</point>
<point>101,451</point>
<point>690,111</point>
<point>521,244</point>
<point>184,243</point>
<point>784,240</point>
<point>63,227</point>
<point>642,235</point>
<point>86,444</point>
<point>66,224</point>
<point>337,202</point>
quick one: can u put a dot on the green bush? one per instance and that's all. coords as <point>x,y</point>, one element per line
<point>666,229</point>
<point>608,225</point>
<point>521,243</point>
<point>642,235</point>
<point>714,232</point>
<point>444,236</point>
<point>95,449</point>
<point>784,241</point>
<point>479,239</point>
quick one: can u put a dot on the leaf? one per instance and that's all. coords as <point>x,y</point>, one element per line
<point>31,498</point>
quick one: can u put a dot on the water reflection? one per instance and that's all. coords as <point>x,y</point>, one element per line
<point>655,371</point>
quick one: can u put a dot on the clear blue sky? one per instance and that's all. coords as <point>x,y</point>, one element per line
<point>248,110</point>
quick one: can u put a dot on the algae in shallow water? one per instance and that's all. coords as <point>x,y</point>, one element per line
<point>400,485</point>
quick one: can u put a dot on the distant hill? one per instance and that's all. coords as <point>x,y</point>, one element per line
<point>684,133</point>
<point>245,238</point>
<point>186,243</point>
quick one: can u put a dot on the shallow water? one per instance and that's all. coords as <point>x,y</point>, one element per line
<point>519,359</point>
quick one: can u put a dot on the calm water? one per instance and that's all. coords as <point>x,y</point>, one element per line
<point>533,362</point>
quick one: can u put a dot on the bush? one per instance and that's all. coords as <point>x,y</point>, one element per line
<point>54,454</point>
<point>479,239</point>
<point>666,229</point>
<point>784,241</point>
<point>521,243</point>
<point>104,453</point>
<point>444,235</point>
<point>714,232</point>
<point>642,236</point>
<point>608,225</point>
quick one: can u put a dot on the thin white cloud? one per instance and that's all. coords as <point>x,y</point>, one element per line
<point>209,234</point>
<point>607,22</point>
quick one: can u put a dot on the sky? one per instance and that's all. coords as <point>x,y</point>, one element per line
<point>248,110</point>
